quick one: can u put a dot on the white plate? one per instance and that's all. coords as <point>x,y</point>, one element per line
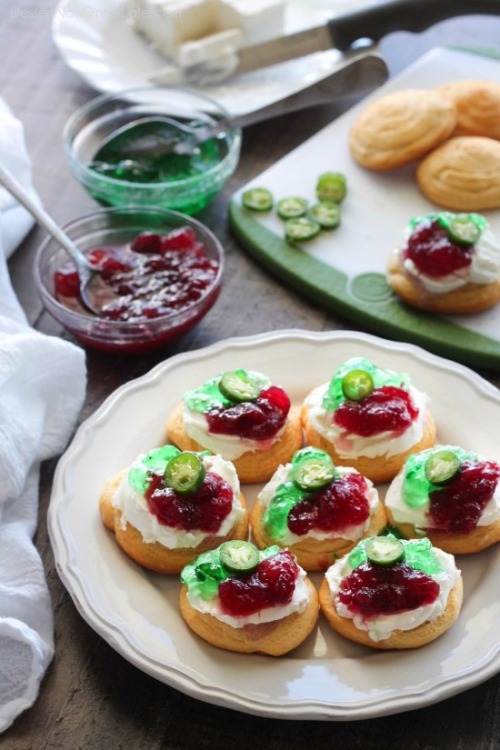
<point>97,42</point>
<point>327,677</point>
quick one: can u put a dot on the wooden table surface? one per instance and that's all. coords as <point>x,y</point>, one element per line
<point>91,697</point>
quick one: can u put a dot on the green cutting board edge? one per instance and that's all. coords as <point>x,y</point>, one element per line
<point>366,298</point>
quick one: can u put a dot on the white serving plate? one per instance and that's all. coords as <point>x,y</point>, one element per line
<point>328,677</point>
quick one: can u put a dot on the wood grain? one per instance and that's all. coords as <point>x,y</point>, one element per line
<point>91,698</point>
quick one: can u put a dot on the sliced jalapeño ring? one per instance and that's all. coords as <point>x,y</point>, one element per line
<point>300,229</point>
<point>441,467</point>
<point>357,385</point>
<point>326,213</point>
<point>313,474</point>
<point>384,550</point>
<point>257,199</point>
<point>290,208</point>
<point>185,473</point>
<point>237,386</point>
<point>462,230</point>
<point>239,556</point>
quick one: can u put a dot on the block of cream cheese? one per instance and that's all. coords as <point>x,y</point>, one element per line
<point>258,20</point>
<point>167,24</point>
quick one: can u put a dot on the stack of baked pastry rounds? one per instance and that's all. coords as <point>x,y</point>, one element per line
<point>452,130</point>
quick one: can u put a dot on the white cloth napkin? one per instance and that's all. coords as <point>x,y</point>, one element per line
<point>42,386</point>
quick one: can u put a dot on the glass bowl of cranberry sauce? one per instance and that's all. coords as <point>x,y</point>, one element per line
<point>117,146</point>
<point>159,274</point>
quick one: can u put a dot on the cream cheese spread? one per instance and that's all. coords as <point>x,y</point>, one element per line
<point>134,510</point>
<point>352,533</point>
<point>484,268</point>
<point>350,446</point>
<point>381,627</point>
<point>298,603</point>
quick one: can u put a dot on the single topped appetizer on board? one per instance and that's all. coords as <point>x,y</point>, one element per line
<point>447,263</point>
<point>390,593</point>
<point>242,416</point>
<point>316,510</point>
<point>243,599</point>
<point>170,505</point>
<point>449,494</point>
<point>368,418</point>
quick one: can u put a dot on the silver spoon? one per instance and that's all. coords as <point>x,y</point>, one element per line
<point>356,76</point>
<point>86,271</point>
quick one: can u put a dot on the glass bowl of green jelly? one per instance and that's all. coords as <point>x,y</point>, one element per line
<point>123,148</point>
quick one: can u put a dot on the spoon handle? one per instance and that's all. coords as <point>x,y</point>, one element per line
<point>15,189</point>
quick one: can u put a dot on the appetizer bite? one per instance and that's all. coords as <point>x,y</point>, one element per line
<point>242,416</point>
<point>448,263</point>
<point>451,495</point>
<point>316,510</point>
<point>243,599</point>
<point>392,594</point>
<point>170,505</point>
<point>368,418</point>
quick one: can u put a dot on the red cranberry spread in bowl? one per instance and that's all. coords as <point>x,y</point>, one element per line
<point>159,272</point>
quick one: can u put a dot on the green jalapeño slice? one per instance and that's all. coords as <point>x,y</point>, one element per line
<point>462,230</point>
<point>290,208</point>
<point>357,385</point>
<point>237,386</point>
<point>315,473</point>
<point>257,199</point>
<point>239,556</point>
<point>331,186</point>
<point>300,229</point>
<point>384,550</point>
<point>185,473</point>
<point>441,467</point>
<point>326,213</point>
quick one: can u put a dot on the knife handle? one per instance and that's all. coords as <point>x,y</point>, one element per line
<point>401,15</point>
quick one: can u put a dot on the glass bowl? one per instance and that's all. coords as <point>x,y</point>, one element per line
<point>182,183</point>
<point>116,227</point>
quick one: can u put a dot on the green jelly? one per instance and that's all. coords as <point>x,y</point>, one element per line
<point>416,487</point>
<point>153,462</point>
<point>418,554</point>
<point>335,394</point>
<point>204,575</point>
<point>208,396</point>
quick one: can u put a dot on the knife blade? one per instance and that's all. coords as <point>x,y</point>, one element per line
<point>343,31</point>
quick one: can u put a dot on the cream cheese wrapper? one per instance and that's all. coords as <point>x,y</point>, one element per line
<point>135,511</point>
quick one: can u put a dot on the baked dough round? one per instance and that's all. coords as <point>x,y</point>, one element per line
<point>272,638</point>
<point>470,298</point>
<point>315,554</point>
<point>477,104</point>
<point>378,469</point>
<point>253,466</point>
<point>462,174</point>
<point>399,639</point>
<point>153,555</point>
<point>401,127</point>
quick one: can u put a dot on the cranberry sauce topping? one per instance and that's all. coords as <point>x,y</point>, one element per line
<point>386,409</point>
<point>340,505</point>
<point>372,590</point>
<point>457,507</point>
<point>255,420</point>
<point>152,276</point>
<point>272,584</point>
<point>433,253</point>
<point>202,510</point>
